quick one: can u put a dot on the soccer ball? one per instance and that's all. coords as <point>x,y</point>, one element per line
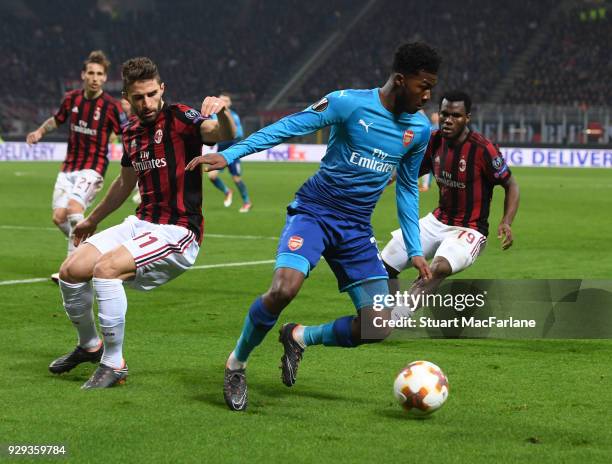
<point>421,388</point>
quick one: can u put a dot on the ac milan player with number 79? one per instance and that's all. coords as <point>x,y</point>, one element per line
<point>467,167</point>
<point>157,244</point>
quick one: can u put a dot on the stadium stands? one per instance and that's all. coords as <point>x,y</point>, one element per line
<point>245,45</point>
<point>478,40</point>
<point>576,64</point>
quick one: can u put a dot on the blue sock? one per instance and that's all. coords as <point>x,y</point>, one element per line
<point>257,324</point>
<point>337,333</point>
<point>243,191</point>
<point>219,184</point>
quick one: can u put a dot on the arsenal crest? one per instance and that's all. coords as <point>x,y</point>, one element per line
<point>408,136</point>
<point>295,242</point>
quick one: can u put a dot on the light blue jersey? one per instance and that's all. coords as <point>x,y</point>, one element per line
<point>366,143</point>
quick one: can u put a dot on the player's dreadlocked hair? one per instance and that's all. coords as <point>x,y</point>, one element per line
<point>410,58</point>
<point>138,69</point>
<point>457,96</point>
<point>98,57</point>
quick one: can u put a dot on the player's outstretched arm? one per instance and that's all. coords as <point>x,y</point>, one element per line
<point>223,128</point>
<point>330,110</point>
<point>511,204</point>
<point>46,127</point>
<point>119,191</point>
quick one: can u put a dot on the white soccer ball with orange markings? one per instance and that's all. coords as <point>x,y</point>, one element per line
<point>421,388</point>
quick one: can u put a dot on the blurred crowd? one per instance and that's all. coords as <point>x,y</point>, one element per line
<point>575,66</point>
<point>246,46</point>
<point>478,40</point>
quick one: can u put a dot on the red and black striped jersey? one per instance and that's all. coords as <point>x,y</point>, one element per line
<point>91,123</point>
<point>466,174</point>
<point>159,152</point>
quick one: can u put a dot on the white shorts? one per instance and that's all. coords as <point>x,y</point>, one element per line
<point>80,186</point>
<point>459,245</point>
<point>161,252</point>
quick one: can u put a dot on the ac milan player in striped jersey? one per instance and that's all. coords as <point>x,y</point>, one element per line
<point>92,115</point>
<point>467,167</point>
<point>157,244</point>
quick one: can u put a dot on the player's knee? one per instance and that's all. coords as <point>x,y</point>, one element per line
<point>393,273</point>
<point>212,175</point>
<point>59,216</point>
<point>441,268</point>
<point>237,179</point>
<point>74,207</point>
<point>282,292</point>
<point>73,271</point>
<point>106,268</point>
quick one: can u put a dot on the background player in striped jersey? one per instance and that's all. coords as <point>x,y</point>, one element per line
<point>92,115</point>
<point>157,244</point>
<point>234,168</point>
<point>467,167</point>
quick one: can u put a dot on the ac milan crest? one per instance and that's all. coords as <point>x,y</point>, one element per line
<point>158,136</point>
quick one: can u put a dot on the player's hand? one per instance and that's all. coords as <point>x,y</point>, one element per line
<point>504,233</point>
<point>34,137</point>
<point>212,105</point>
<point>211,162</point>
<point>421,265</point>
<point>83,230</point>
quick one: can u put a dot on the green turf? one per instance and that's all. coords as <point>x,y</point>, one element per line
<point>510,401</point>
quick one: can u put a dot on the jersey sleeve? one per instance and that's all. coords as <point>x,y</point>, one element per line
<point>331,109</point>
<point>118,119</point>
<point>494,165</point>
<point>63,111</point>
<point>407,194</point>
<point>125,158</point>
<point>187,122</point>
<point>426,165</point>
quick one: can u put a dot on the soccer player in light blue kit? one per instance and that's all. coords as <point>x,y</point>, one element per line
<point>235,167</point>
<point>372,132</point>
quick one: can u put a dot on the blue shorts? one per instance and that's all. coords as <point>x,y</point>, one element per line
<point>349,247</point>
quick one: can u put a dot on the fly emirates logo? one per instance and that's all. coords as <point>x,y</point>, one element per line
<point>82,128</point>
<point>147,163</point>
<point>376,163</point>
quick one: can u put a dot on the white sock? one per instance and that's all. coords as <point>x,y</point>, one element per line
<point>73,220</point>
<point>78,303</point>
<point>112,306</point>
<point>64,227</point>
<point>233,363</point>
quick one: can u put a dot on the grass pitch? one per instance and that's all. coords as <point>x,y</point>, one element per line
<point>510,401</point>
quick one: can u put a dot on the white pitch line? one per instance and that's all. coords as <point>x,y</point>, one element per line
<point>25,281</point>
<point>6,227</point>
<point>244,263</point>
<point>204,266</point>
<point>244,237</point>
